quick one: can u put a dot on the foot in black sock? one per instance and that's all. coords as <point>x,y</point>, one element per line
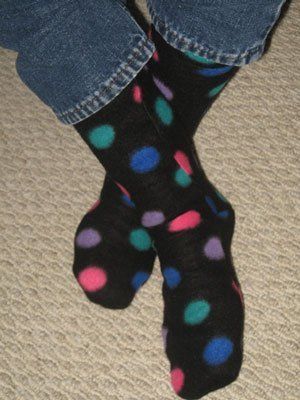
<point>203,305</point>
<point>102,240</point>
<point>192,244</point>
<point>190,83</point>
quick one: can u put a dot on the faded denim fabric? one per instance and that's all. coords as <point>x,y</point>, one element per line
<point>75,55</point>
<point>229,32</point>
<point>78,55</point>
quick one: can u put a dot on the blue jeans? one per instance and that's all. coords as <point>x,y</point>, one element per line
<point>78,55</point>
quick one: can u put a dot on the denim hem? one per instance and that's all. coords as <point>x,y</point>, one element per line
<point>182,43</point>
<point>109,89</point>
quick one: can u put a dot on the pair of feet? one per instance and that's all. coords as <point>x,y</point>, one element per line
<point>156,199</point>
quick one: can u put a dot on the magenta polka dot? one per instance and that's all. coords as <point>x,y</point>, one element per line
<point>88,238</point>
<point>152,218</point>
<point>183,161</point>
<point>189,220</point>
<point>137,94</point>
<point>92,279</point>
<point>213,249</point>
<point>123,190</point>
<point>94,206</point>
<point>177,379</point>
<point>156,56</point>
<point>236,287</point>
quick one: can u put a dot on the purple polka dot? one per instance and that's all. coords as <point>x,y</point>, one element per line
<point>152,218</point>
<point>164,334</point>
<point>213,249</point>
<point>163,88</point>
<point>88,238</point>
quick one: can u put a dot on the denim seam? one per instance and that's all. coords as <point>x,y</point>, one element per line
<point>183,44</point>
<point>109,89</point>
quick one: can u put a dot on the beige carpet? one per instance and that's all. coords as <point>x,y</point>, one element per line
<point>54,344</point>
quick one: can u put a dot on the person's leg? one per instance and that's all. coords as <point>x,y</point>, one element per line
<point>191,228</point>
<point>199,46</point>
<point>52,39</point>
<point>231,32</point>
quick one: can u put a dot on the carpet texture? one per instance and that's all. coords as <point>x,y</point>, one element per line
<point>56,345</point>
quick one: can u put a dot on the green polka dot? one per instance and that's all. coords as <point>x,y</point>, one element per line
<point>140,239</point>
<point>182,178</point>
<point>196,312</point>
<point>102,137</point>
<point>221,196</point>
<point>213,92</point>
<point>164,111</point>
<point>197,58</point>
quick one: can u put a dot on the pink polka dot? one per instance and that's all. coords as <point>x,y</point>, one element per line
<point>94,206</point>
<point>156,56</point>
<point>238,290</point>
<point>123,190</point>
<point>188,220</point>
<point>183,161</point>
<point>137,94</point>
<point>177,379</point>
<point>92,279</point>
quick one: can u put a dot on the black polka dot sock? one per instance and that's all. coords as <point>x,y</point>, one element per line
<point>113,234</point>
<point>190,82</point>
<point>190,225</point>
<point>102,240</point>
<point>178,79</point>
<point>186,86</point>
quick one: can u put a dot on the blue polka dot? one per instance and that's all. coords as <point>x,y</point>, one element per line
<point>182,178</point>
<point>172,277</point>
<point>164,111</point>
<point>145,160</point>
<point>217,351</point>
<point>102,137</point>
<point>140,239</point>
<point>210,72</point>
<point>139,279</point>
<point>128,201</point>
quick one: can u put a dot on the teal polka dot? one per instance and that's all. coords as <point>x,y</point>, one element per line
<point>196,312</point>
<point>221,196</point>
<point>182,178</point>
<point>213,92</point>
<point>164,111</point>
<point>197,58</point>
<point>140,239</point>
<point>102,137</point>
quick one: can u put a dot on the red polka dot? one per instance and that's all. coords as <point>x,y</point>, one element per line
<point>137,94</point>
<point>177,379</point>
<point>92,279</point>
<point>94,206</point>
<point>238,290</point>
<point>156,56</point>
<point>123,190</point>
<point>188,220</point>
<point>183,161</point>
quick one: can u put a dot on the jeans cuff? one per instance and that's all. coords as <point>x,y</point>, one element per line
<point>109,89</point>
<point>182,43</point>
